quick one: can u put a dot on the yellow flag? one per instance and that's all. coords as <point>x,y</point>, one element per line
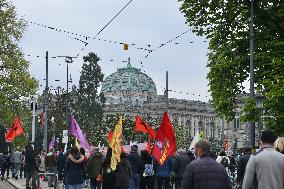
<point>125,46</point>
<point>115,144</point>
<point>77,144</point>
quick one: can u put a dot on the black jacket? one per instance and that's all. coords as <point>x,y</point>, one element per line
<point>74,171</point>
<point>205,173</point>
<point>134,160</point>
<point>242,163</point>
<point>182,161</point>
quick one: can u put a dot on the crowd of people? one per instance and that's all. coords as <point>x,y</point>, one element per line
<point>263,169</point>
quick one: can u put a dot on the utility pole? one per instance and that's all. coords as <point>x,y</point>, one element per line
<point>251,49</point>
<point>222,133</point>
<point>45,103</point>
<point>68,60</point>
<point>33,121</point>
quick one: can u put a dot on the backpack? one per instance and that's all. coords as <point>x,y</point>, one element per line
<point>149,170</point>
<point>225,161</point>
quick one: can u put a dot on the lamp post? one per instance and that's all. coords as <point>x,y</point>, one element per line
<point>251,49</point>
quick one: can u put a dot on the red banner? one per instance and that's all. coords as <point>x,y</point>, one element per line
<point>15,131</point>
<point>165,144</point>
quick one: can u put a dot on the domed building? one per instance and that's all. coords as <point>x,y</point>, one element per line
<point>130,92</point>
<point>128,84</point>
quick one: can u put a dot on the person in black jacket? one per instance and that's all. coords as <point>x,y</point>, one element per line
<point>242,163</point>
<point>31,166</point>
<point>134,159</point>
<point>182,161</point>
<point>205,172</point>
<point>75,169</point>
<point>109,176</point>
<point>5,165</point>
<point>147,180</point>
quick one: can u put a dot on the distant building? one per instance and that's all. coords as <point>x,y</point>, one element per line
<point>132,92</point>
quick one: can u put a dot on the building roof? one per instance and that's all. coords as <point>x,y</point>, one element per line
<point>129,80</point>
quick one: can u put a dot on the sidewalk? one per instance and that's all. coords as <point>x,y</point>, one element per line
<point>21,184</point>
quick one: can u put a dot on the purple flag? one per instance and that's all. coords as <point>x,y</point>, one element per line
<point>77,132</point>
<point>52,143</point>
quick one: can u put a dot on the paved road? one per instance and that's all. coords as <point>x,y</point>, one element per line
<point>5,185</point>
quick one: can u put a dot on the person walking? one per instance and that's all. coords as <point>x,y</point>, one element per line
<point>279,145</point>
<point>205,172</point>
<point>42,157</point>
<point>109,176</point>
<point>75,169</point>
<point>23,169</point>
<point>242,163</point>
<point>147,180</point>
<point>5,165</point>
<point>60,164</point>
<point>163,174</point>
<point>31,166</point>
<point>94,169</point>
<point>123,173</point>
<point>134,159</point>
<point>182,161</point>
<point>223,159</point>
<point>265,169</point>
<point>50,163</point>
<point>16,160</point>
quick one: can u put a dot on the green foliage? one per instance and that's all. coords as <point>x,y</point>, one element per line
<point>16,83</point>
<point>226,25</point>
<point>182,138</point>
<point>90,104</point>
<point>250,111</point>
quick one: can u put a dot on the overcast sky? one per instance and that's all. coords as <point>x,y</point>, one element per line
<point>143,22</point>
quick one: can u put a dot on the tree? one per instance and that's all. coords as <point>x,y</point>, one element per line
<point>90,103</point>
<point>226,25</point>
<point>16,83</point>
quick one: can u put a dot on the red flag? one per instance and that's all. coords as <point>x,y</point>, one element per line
<point>149,147</point>
<point>15,131</point>
<point>109,136</point>
<point>42,119</point>
<point>165,144</point>
<point>144,127</point>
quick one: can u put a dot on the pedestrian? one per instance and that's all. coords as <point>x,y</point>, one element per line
<point>242,163</point>
<point>134,159</point>
<point>279,144</point>
<point>83,152</point>
<point>190,155</point>
<point>123,174</point>
<point>5,165</point>
<point>109,176</point>
<point>223,159</point>
<point>147,180</point>
<point>182,161</point>
<point>31,166</point>
<point>75,169</point>
<point>163,174</point>
<point>60,162</point>
<point>232,168</point>
<point>50,164</point>
<point>16,160</point>
<point>265,169</point>
<point>23,169</point>
<point>94,169</point>
<point>42,157</point>
<point>205,172</point>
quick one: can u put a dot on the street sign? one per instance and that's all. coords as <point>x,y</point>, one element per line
<point>65,136</point>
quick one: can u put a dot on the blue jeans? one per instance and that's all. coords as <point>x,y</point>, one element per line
<point>134,182</point>
<point>75,186</point>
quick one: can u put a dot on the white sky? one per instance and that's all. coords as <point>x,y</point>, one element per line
<point>142,22</point>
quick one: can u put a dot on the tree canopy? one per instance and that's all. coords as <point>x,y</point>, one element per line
<point>16,83</point>
<point>226,24</point>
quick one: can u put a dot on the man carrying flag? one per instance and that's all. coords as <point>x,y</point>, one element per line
<point>164,148</point>
<point>15,131</point>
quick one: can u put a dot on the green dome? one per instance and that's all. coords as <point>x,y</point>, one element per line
<point>129,81</point>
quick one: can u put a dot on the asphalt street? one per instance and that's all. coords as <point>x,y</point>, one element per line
<point>5,185</point>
